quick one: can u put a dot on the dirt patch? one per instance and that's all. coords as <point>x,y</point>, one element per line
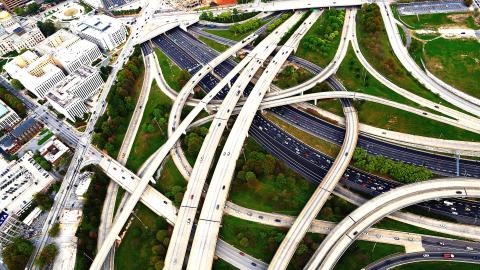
<point>434,64</point>
<point>458,18</point>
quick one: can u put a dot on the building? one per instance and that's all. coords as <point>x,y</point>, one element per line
<point>37,73</point>
<point>69,95</point>
<point>107,32</point>
<point>19,181</point>
<point>68,50</point>
<point>16,36</point>
<point>53,150</point>
<point>8,118</point>
<point>21,134</point>
<point>11,4</point>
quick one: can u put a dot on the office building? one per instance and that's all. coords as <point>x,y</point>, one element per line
<point>68,50</point>
<point>11,4</point>
<point>107,32</point>
<point>16,36</point>
<point>37,73</point>
<point>69,95</point>
<point>8,118</point>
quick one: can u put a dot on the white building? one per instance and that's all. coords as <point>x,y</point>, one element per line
<point>53,150</point>
<point>68,50</point>
<point>15,36</point>
<point>8,118</point>
<point>105,31</point>
<point>37,74</point>
<point>69,95</point>
<point>19,181</point>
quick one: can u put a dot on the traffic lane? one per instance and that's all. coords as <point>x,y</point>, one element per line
<point>391,262</point>
<point>440,244</point>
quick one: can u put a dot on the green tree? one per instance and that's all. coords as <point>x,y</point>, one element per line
<point>468,2</point>
<point>55,230</point>
<point>43,200</point>
<point>47,255</point>
<point>17,84</point>
<point>47,28</point>
<point>17,253</point>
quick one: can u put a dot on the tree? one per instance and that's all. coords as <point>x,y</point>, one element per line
<point>250,176</point>
<point>468,2</point>
<point>43,200</point>
<point>17,253</point>
<point>47,28</point>
<point>161,234</point>
<point>159,249</point>
<point>47,255</point>
<point>55,230</point>
<point>17,84</point>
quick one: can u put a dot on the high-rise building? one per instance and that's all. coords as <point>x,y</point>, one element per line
<point>69,51</point>
<point>11,4</point>
<point>38,74</point>
<point>105,31</point>
<point>8,118</point>
<point>16,36</point>
<point>69,95</point>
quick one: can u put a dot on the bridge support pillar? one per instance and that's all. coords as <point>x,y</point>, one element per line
<point>457,158</point>
<point>315,102</point>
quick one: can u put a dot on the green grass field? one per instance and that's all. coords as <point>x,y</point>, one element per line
<point>215,45</point>
<point>362,253</point>
<point>434,21</point>
<point>146,143</point>
<point>456,62</point>
<point>171,72</point>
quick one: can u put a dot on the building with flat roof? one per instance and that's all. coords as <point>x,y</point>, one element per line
<point>37,73</point>
<point>16,35</point>
<point>68,50</point>
<point>19,135</point>
<point>69,95</point>
<point>11,4</point>
<point>8,118</point>
<point>105,31</point>
<point>19,181</point>
<point>53,150</point>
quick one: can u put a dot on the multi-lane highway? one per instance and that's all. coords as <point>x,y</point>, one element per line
<point>396,260</point>
<point>301,225</point>
<point>335,244</point>
<point>204,241</point>
<point>181,233</point>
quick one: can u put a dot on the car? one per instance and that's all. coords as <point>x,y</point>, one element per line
<point>448,255</point>
<point>277,220</point>
<point>426,255</point>
<point>253,264</point>
<point>469,248</point>
<point>241,253</point>
<point>396,238</point>
<point>441,243</point>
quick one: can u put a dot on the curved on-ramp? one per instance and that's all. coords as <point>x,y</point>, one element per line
<point>348,230</point>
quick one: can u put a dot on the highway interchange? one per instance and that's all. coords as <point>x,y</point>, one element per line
<point>217,74</point>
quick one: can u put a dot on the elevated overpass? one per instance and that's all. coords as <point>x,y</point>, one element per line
<point>203,245</point>
<point>348,230</point>
<point>157,159</point>
<point>253,62</point>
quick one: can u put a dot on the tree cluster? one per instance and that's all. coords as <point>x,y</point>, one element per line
<point>397,170</point>
<point>105,72</point>
<point>17,84</point>
<point>92,208</point>
<point>47,28</point>
<point>17,253</point>
<point>121,103</point>
<point>194,139</point>
<point>126,11</point>
<point>321,40</point>
<point>55,230</point>
<point>278,22</point>
<point>43,200</point>
<point>47,255</point>
<point>13,102</point>
<point>28,10</point>
<point>227,16</point>
<point>370,19</point>
<point>241,28</point>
